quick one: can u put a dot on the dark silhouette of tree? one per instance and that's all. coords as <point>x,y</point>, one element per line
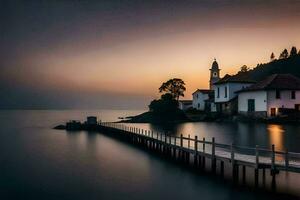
<point>175,86</point>
<point>166,104</point>
<point>293,51</point>
<point>244,68</point>
<point>284,54</point>
<point>272,57</point>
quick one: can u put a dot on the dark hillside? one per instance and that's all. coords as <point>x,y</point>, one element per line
<point>289,65</point>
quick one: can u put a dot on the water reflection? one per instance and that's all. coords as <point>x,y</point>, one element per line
<point>243,134</point>
<point>276,136</point>
<point>85,165</point>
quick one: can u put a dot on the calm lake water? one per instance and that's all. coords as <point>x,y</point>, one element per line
<point>38,162</point>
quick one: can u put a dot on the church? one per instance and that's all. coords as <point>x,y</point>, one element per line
<point>203,99</point>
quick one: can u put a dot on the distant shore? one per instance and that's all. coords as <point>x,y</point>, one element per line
<point>149,117</point>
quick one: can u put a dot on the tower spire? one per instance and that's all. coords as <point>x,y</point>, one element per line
<point>214,74</point>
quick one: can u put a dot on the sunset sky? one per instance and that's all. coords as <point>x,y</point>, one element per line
<point>115,54</point>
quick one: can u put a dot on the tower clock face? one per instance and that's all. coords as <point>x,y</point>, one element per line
<point>215,74</point>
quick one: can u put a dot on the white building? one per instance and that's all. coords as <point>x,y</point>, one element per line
<point>225,92</point>
<point>203,99</point>
<point>200,97</point>
<point>185,104</point>
<point>277,94</point>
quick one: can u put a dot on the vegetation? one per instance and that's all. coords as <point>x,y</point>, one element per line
<point>272,57</point>
<point>175,87</point>
<point>284,54</point>
<point>293,51</point>
<point>244,68</point>
<point>166,108</point>
<point>287,63</point>
<point>165,104</point>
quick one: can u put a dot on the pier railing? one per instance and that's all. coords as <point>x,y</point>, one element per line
<point>256,157</point>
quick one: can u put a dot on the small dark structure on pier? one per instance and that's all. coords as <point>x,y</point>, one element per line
<point>91,120</point>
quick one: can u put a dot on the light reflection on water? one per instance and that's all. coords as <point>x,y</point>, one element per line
<point>276,134</point>
<point>242,134</point>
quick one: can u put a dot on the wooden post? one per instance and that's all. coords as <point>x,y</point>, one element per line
<point>256,172</point>
<point>165,143</point>
<point>244,174</point>
<point>233,163</point>
<point>256,157</point>
<point>196,151</point>
<point>170,148</point>
<point>213,156</point>
<point>264,177</point>
<point>273,157</point>
<point>256,177</point>
<point>222,168</point>
<point>203,156</point>
<point>204,145</point>
<point>273,169</point>
<point>181,145</point>
<point>286,158</point>
<point>181,141</point>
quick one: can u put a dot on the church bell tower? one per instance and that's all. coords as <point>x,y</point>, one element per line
<point>214,74</point>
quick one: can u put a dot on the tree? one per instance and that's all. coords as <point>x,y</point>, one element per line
<point>284,54</point>
<point>175,86</point>
<point>272,57</point>
<point>165,105</point>
<point>244,68</point>
<point>293,51</point>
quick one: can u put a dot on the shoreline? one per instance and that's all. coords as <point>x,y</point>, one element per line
<point>208,117</point>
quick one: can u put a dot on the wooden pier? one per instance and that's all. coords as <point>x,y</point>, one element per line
<point>198,152</point>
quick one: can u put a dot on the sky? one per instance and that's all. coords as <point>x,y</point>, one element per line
<point>114,54</point>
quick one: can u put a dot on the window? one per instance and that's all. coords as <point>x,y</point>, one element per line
<point>218,92</point>
<point>277,94</point>
<point>225,96</point>
<point>197,96</point>
<point>198,105</point>
<point>251,105</point>
<point>293,95</point>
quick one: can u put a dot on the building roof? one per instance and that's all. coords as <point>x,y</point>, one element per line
<point>185,102</point>
<point>240,78</point>
<point>205,91</point>
<point>276,82</point>
<point>215,66</point>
